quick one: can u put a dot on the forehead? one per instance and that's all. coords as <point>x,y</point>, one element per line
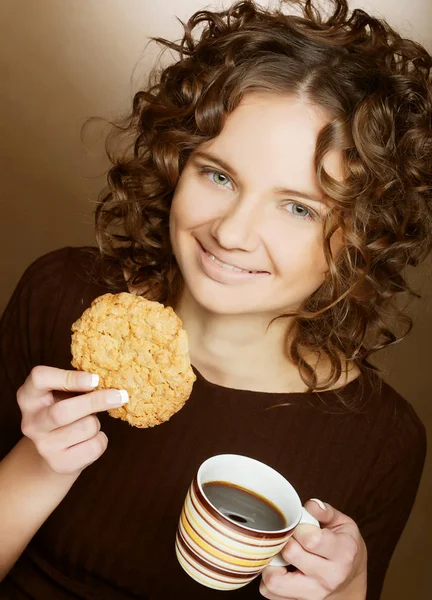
<point>275,135</point>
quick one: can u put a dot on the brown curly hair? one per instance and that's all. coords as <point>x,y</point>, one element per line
<point>376,89</point>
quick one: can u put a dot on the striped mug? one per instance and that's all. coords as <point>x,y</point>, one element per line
<point>226,552</point>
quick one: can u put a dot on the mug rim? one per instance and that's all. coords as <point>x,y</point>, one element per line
<point>239,526</point>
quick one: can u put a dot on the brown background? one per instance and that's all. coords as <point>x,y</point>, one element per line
<point>62,61</point>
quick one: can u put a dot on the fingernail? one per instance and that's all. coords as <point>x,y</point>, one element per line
<point>88,380</point>
<point>118,397</point>
<point>319,502</point>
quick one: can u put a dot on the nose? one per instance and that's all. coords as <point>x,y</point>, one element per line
<point>238,227</point>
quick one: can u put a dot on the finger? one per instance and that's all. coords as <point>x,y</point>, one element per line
<point>336,545</point>
<point>327,516</point>
<point>268,575</point>
<point>265,592</point>
<point>67,436</point>
<point>289,585</point>
<point>337,522</point>
<point>308,563</point>
<point>82,455</point>
<point>42,380</point>
<point>270,572</point>
<point>71,410</point>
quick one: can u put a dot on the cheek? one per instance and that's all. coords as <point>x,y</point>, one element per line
<point>193,206</point>
<point>297,250</point>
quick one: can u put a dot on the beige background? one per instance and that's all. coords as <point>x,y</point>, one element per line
<point>62,61</point>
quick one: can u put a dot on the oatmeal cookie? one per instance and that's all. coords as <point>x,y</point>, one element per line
<point>136,345</point>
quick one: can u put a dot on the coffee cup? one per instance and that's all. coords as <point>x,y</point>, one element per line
<point>237,516</point>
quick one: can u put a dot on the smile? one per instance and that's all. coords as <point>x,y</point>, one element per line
<point>223,272</point>
<point>228,266</point>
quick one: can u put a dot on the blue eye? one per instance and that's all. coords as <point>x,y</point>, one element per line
<point>299,210</point>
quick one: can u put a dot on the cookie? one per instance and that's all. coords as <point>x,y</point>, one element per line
<point>139,346</point>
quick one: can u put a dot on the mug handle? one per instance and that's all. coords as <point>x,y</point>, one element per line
<point>306,518</point>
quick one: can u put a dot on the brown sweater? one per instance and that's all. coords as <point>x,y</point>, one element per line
<point>112,537</point>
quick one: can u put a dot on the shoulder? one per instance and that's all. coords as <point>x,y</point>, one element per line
<point>38,285</point>
<point>381,416</point>
<point>52,294</point>
<point>53,265</point>
<point>57,261</point>
<point>394,451</point>
<point>49,265</point>
<point>61,281</point>
<point>69,266</point>
<point>394,424</point>
<point>406,439</point>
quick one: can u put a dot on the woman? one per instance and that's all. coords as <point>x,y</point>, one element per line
<point>277,184</point>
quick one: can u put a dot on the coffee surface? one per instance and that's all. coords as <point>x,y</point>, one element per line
<point>244,506</point>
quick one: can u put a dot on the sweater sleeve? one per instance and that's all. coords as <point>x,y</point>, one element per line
<point>25,332</point>
<point>390,493</point>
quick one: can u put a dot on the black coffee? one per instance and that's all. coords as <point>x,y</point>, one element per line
<point>243,506</point>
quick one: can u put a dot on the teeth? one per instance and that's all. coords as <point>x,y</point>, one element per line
<point>226,266</point>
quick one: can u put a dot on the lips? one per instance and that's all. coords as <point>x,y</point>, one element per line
<point>229,266</point>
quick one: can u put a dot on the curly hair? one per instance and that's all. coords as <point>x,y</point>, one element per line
<point>376,88</point>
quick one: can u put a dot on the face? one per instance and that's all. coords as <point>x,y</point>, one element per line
<point>247,214</point>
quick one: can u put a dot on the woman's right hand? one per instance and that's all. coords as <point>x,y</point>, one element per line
<point>66,432</point>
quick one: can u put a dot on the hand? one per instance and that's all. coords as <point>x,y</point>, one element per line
<point>66,433</point>
<point>331,562</point>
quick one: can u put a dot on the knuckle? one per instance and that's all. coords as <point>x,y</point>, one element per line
<point>87,453</point>
<point>291,551</point>
<point>350,551</point>
<point>20,398</point>
<point>90,426</point>
<point>60,466</point>
<point>334,578</point>
<point>263,590</point>
<point>67,469</point>
<point>37,375</point>
<point>97,425</point>
<point>265,575</point>
<point>70,379</point>
<point>43,446</point>
<point>312,541</point>
<point>272,583</point>
<point>103,441</point>
<point>98,445</point>
<point>26,428</point>
<point>63,462</point>
<point>58,414</point>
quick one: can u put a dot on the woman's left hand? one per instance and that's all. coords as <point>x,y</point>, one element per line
<point>331,561</point>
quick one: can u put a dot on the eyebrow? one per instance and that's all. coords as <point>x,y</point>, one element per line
<point>278,190</point>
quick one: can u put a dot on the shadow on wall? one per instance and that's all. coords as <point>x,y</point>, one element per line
<point>407,367</point>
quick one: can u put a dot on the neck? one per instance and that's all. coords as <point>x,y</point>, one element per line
<point>239,351</point>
